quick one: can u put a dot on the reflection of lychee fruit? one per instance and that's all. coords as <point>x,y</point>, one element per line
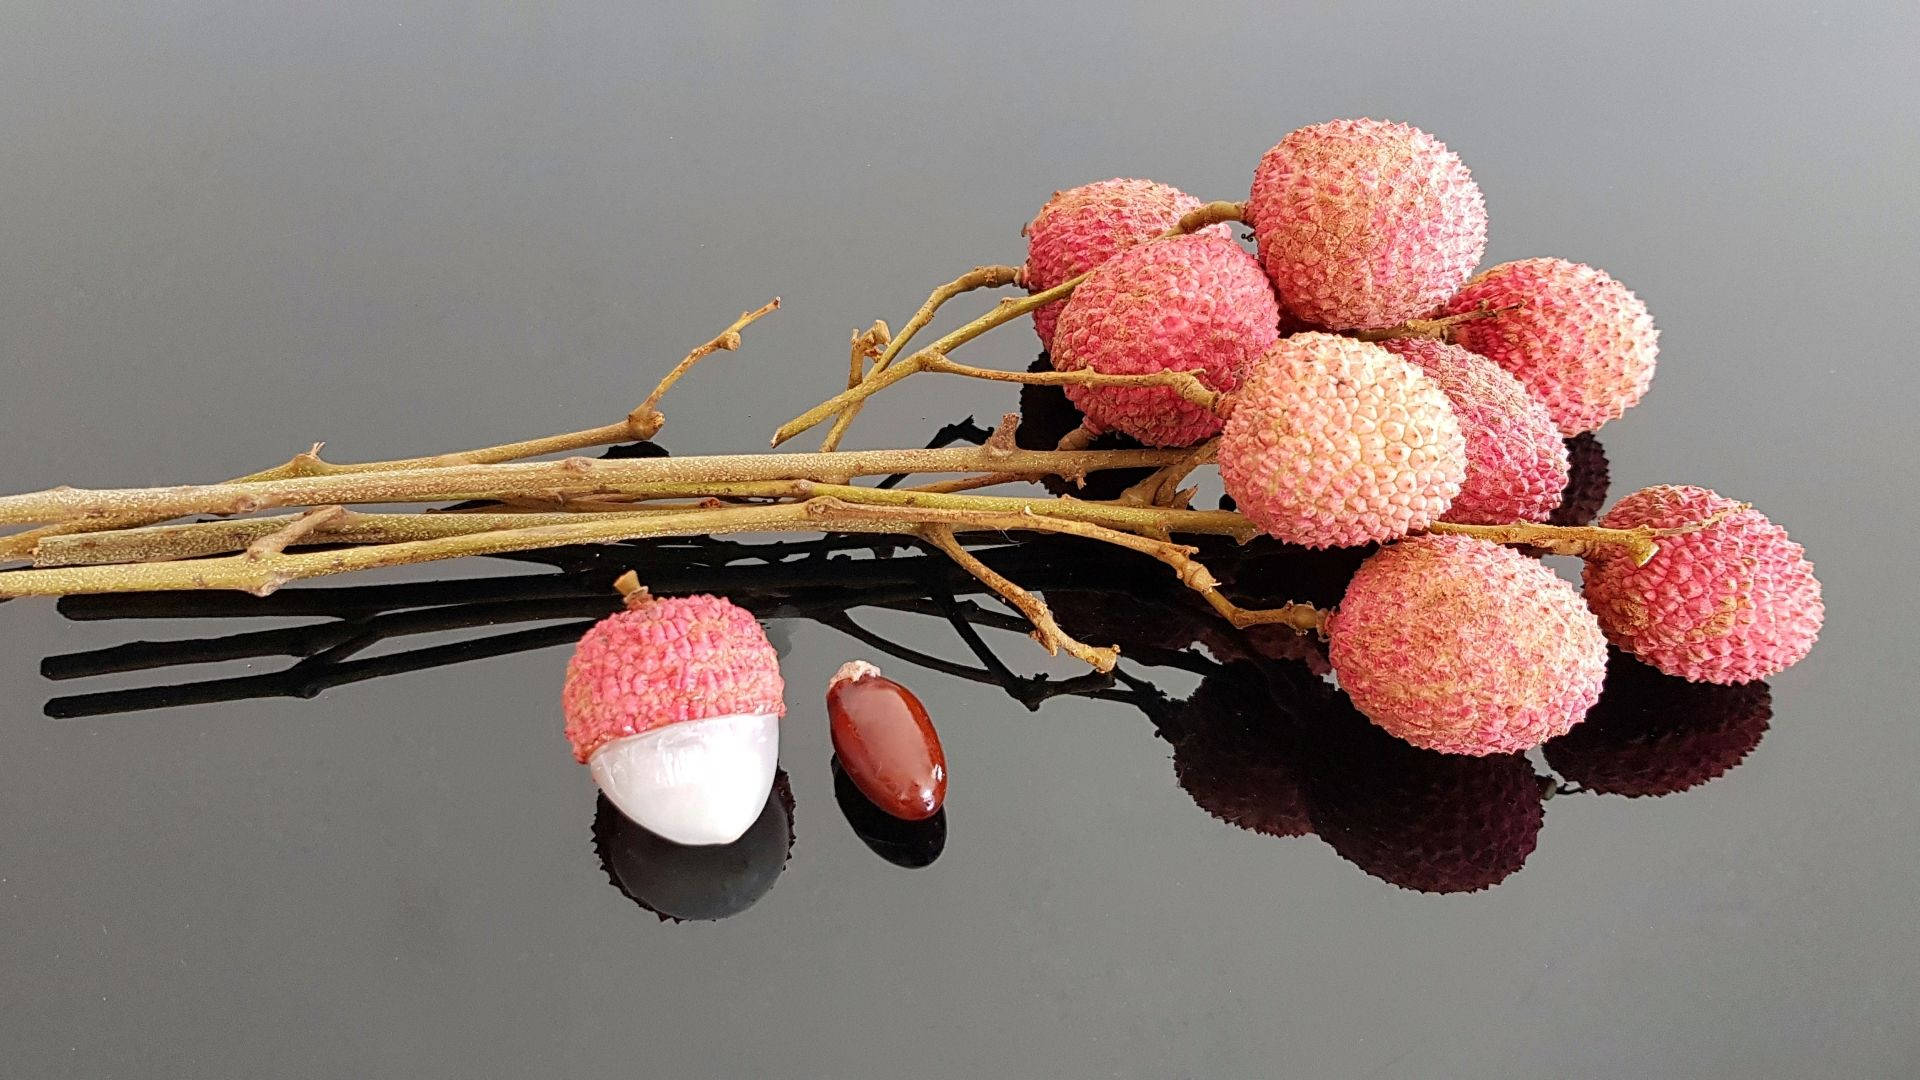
<point>1587,480</point>
<point>674,704</point>
<point>1428,822</point>
<point>1335,442</point>
<point>1365,224</point>
<point>1516,460</point>
<point>1578,339</point>
<point>679,883</point>
<point>1184,303</point>
<point>1233,754</point>
<point>1655,734</point>
<point>1080,228</point>
<point>1731,602</point>
<point>1466,647</point>
<point>1046,416</point>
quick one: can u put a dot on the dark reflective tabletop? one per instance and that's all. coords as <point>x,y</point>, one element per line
<point>337,831</point>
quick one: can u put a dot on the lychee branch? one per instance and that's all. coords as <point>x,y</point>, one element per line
<point>1046,630</point>
<point>1440,329</point>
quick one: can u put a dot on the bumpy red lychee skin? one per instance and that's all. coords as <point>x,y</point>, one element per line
<point>1729,603</point>
<point>664,661</point>
<point>1655,734</point>
<point>1578,339</point>
<point>1080,228</point>
<point>1516,459</point>
<point>1334,442</point>
<point>1183,303</point>
<point>1364,224</point>
<point>1465,647</point>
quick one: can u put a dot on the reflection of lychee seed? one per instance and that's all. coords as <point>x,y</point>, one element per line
<point>911,844</point>
<point>1578,339</point>
<point>1728,603</point>
<point>1466,647</point>
<point>1516,460</point>
<point>1365,224</point>
<point>1587,480</point>
<point>1232,754</point>
<point>1046,416</point>
<point>674,704</point>
<point>1080,228</point>
<point>1335,442</point>
<point>680,883</point>
<point>1429,822</point>
<point>1655,734</point>
<point>1184,303</point>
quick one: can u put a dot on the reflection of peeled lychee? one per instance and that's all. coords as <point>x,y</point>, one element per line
<point>1655,734</point>
<point>1577,338</point>
<point>1233,754</point>
<point>1335,442</point>
<point>1364,223</point>
<point>677,882</point>
<point>1516,460</point>
<point>1195,303</point>
<point>1080,228</point>
<point>1466,647</point>
<point>1727,603</point>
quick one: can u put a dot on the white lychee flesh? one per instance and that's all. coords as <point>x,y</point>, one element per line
<point>696,782</point>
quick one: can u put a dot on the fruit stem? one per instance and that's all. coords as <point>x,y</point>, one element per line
<point>1046,630</point>
<point>1581,540</point>
<point>1440,329</point>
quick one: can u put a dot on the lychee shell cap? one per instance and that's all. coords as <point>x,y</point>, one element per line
<point>666,661</point>
<point>1183,303</point>
<point>1082,227</point>
<point>1578,339</point>
<point>1729,603</point>
<point>1365,223</point>
<point>1465,647</point>
<point>1335,443</point>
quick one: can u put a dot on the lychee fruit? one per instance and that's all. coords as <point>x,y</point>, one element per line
<point>1466,647</point>
<point>1727,603</point>
<point>712,882</point>
<point>1194,303</point>
<point>1516,460</point>
<point>1577,338</point>
<point>1080,228</point>
<point>1046,417</point>
<point>674,705</point>
<point>1334,442</point>
<point>1587,480</point>
<point>1364,224</point>
<point>1656,734</point>
<point>1233,754</point>
<point>1416,819</point>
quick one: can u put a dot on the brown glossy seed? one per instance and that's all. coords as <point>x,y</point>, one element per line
<point>886,743</point>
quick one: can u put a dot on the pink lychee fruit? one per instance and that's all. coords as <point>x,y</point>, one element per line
<point>1577,338</point>
<point>1727,603</point>
<point>1516,460</point>
<point>674,705</point>
<point>1080,228</point>
<point>1334,442</point>
<point>1655,734</point>
<point>1465,647</point>
<point>1365,224</point>
<point>1194,303</point>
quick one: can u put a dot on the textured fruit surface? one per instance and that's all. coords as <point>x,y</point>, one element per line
<point>1516,459</point>
<point>1732,602</point>
<point>1335,442</point>
<point>1364,223</point>
<point>1080,228</point>
<point>1466,647</point>
<point>1185,303</point>
<point>1578,339</point>
<point>1655,734</point>
<point>886,742</point>
<point>664,661</point>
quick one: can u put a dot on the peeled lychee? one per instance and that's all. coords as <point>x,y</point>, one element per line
<point>1466,647</point>
<point>1335,442</point>
<point>1184,303</point>
<point>674,705</point>
<point>1655,734</point>
<point>1080,228</point>
<point>1365,224</point>
<point>1516,460</point>
<point>1578,339</point>
<point>711,882</point>
<point>1728,603</point>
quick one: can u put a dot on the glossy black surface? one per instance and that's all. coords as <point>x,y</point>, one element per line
<point>231,229</point>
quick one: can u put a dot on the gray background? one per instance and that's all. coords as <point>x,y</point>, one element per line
<point>229,229</point>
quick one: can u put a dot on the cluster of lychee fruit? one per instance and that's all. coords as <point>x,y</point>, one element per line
<point>1372,385</point>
